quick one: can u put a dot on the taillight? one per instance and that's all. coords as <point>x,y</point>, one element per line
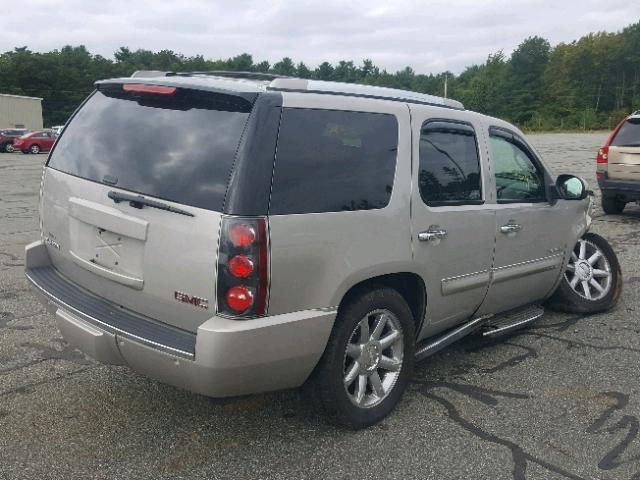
<point>242,235</point>
<point>243,267</point>
<point>239,298</point>
<point>152,89</point>
<point>603,155</point>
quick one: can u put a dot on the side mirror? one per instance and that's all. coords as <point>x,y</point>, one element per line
<point>571,187</point>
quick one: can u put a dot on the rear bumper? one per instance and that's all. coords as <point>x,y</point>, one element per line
<point>224,358</point>
<point>624,188</point>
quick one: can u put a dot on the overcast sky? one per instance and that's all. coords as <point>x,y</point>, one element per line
<point>430,36</point>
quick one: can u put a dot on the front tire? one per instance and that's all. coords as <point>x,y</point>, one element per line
<point>612,205</point>
<point>593,281</point>
<point>35,149</point>
<point>8,147</point>
<point>368,361</point>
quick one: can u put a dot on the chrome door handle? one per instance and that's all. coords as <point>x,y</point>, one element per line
<point>434,233</point>
<point>510,227</point>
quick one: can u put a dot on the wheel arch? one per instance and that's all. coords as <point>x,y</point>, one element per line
<point>409,285</point>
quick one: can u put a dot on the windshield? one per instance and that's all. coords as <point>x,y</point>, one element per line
<point>179,148</point>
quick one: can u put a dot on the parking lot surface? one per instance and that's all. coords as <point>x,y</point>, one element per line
<point>557,400</point>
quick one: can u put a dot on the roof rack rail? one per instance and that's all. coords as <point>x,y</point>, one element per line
<point>358,90</point>
<point>230,74</point>
<point>292,84</point>
<point>214,73</point>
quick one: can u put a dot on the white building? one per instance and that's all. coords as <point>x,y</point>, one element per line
<point>20,112</point>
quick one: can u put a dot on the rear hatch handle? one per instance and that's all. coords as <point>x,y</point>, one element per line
<point>138,201</point>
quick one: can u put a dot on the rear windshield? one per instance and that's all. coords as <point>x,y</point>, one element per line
<point>628,135</point>
<point>179,147</point>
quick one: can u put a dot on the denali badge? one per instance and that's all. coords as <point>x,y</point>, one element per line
<point>195,301</point>
<point>50,240</point>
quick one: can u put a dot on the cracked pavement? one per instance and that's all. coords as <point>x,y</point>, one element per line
<point>558,400</point>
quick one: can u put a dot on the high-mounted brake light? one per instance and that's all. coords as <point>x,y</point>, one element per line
<point>243,267</point>
<point>153,89</point>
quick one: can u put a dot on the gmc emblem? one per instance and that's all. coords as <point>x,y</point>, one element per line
<point>195,301</point>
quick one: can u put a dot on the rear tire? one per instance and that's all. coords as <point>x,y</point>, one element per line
<point>365,370</point>
<point>577,292</point>
<point>612,205</point>
<point>35,149</point>
<point>7,148</point>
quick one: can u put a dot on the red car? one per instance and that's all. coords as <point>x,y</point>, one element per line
<point>7,137</point>
<point>35,142</point>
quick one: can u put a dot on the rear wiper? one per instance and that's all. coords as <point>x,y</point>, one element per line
<point>138,201</point>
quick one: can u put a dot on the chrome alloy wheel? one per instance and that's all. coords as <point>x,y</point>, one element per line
<point>588,271</point>
<point>373,358</point>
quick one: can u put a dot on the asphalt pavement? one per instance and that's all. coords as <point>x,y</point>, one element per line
<point>557,400</point>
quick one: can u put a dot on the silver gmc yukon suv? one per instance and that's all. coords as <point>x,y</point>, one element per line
<point>238,233</point>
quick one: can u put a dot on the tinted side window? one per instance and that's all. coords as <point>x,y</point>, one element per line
<point>518,178</point>
<point>330,161</point>
<point>449,164</point>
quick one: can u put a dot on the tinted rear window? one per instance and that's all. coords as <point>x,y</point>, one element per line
<point>179,148</point>
<point>628,135</point>
<point>330,161</point>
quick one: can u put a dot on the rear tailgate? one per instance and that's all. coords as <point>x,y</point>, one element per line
<point>157,256</point>
<point>624,151</point>
<point>624,163</point>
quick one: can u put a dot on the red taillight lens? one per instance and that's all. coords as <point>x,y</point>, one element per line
<point>242,235</point>
<point>239,298</point>
<point>153,89</point>
<point>603,155</point>
<point>241,266</point>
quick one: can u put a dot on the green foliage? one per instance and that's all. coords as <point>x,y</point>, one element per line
<point>586,84</point>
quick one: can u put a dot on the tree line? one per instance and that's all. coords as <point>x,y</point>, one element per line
<point>589,83</point>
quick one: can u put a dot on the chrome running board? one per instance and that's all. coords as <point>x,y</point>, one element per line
<point>512,321</point>
<point>490,325</point>
<point>435,344</point>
